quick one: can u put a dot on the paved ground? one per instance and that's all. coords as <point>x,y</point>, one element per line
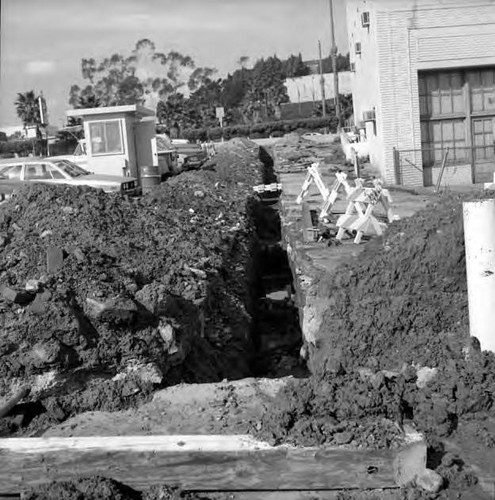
<point>406,203</point>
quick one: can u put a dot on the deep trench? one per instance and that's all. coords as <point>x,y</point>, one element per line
<point>276,333</point>
<point>273,349</point>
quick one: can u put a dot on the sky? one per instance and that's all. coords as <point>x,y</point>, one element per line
<point>44,41</point>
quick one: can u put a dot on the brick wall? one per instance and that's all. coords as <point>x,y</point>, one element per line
<point>453,175</point>
<point>413,35</point>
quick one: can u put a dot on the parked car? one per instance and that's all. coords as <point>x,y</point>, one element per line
<point>79,156</point>
<point>17,171</point>
<point>189,155</point>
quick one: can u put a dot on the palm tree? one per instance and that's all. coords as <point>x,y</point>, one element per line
<point>27,107</point>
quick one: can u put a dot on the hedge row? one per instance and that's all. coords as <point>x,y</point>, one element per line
<point>260,130</point>
<point>24,147</point>
<point>275,129</point>
<point>21,147</point>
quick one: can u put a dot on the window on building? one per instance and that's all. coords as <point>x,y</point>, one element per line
<point>438,135</point>
<point>440,94</point>
<point>483,139</point>
<point>106,137</point>
<point>482,89</point>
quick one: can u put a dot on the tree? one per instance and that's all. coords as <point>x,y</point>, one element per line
<point>294,66</point>
<point>27,107</point>
<point>243,60</point>
<point>267,88</point>
<point>28,110</point>
<point>144,77</point>
<point>16,136</point>
<point>175,113</point>
<point>199,77</point>
<point>204,101</point>
<point>342,62</point>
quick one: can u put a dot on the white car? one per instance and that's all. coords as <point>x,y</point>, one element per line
<point>79,156</point>
<point>16,171</point>
<point>308,135</point>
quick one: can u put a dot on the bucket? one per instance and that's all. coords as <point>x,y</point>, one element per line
<point>150,178</point>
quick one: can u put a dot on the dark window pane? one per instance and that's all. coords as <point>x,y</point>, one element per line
<point>114,144</point>
<point>97,137</point>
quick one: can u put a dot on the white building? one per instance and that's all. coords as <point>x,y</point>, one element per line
<point>120,140</point>
<point>424,81</point>
<point>308,88</point>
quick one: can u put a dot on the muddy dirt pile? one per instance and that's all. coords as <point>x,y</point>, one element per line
<point>296,153</point>
<point>104,299</point>
<point>100,488</point>
<point>394,343</point>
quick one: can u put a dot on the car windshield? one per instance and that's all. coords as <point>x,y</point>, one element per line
<point>70,168</point>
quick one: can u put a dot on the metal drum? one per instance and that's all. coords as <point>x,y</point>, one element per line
<point>150,178</point>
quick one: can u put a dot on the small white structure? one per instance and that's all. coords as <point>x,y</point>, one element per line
<point>120,140</point>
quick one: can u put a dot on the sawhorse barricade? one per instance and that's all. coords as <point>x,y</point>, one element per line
<point>329,196</point>
<point>359,213</point>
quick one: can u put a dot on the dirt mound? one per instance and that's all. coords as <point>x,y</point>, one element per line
<point>104,298</point>
<point>91,488</point>
<point>101,488</point>
<point>403,300</point>
<point>394,342</point>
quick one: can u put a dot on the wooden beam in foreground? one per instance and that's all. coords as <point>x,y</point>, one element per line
<point>206,463</point>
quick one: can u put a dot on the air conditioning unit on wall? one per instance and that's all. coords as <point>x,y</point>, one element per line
<point>357,48</point>
<point>369,116</point>
<point>365,19</point>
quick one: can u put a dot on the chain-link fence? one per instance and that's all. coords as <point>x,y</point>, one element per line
<point>463,164</point>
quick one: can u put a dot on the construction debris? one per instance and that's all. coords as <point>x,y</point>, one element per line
<point>88,278</point>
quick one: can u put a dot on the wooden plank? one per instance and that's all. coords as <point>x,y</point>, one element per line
<point>206,463</point>
<point>382,494</point>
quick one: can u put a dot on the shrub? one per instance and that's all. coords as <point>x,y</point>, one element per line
<point>259,130</point>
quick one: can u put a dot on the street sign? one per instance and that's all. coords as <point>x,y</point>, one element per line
<point>43,110</point>
<point>220,113</point>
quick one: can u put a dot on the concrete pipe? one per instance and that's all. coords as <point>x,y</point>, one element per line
<point>479,238</point>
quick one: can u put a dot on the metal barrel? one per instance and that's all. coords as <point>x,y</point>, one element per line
<point>150,177</point>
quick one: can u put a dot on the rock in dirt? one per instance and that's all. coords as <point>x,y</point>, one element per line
<point>146,373</point>
<point>430,481</point>
<point>54,259</point>
<point>39,304</point>
<point>53,352</point>
<point>425,375</point>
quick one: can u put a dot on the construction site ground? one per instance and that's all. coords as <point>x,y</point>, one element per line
<point>356,395</point>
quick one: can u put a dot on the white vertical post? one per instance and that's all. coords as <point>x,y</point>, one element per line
<point>479,237</point>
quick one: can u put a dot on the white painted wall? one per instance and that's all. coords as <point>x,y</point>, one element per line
<point>308,88</point>
<point>406,36</point>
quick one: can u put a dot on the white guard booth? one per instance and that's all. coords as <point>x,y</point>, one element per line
<point>120,140</point>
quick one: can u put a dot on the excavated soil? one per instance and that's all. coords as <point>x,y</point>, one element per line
<point>394,344</point>
<point>105,299</point>
<point>100,488</point>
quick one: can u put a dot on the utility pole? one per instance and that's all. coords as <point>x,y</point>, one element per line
<point>334,69</point>
<point>322,83</point>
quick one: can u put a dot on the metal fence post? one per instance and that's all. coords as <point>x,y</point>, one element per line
<point>397,166</point>
<point>442,170</point>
